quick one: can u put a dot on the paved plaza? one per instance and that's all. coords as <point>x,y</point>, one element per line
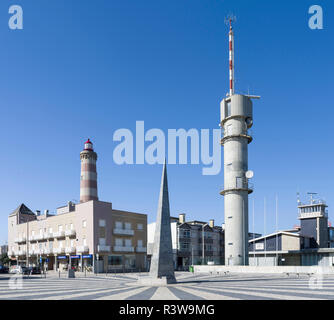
<point>189,287</point>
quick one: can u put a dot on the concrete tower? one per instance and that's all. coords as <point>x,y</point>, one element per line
<point>88,182</point>
<point>236,119</point>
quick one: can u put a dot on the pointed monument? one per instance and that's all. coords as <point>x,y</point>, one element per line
<point>162,267</point>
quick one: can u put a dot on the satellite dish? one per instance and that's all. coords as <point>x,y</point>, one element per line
<point>249,121</point>
<point>249,174</point>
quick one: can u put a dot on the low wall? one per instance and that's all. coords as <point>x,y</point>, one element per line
<point>264,269</point>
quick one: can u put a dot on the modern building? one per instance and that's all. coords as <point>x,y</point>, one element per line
<point>3,249</point>
<point>310,244</point>
<point>88,234</point>
<point>189,238</point>
<point>235,121</point>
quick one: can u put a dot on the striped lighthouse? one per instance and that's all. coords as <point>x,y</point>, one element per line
<point>88,182</point>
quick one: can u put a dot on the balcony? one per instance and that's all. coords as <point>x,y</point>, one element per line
<point>59,234</point>
<point>20,240</point>
<point>48,235</point>
<point>82,249</point>
<point>10,253</point>
<point>126,232</point>
<point>140,249</point>
<point>123,249</point>
<point>39,237</point>
<point>101,248</point>
<point>242,185</point>
<point>70,250</point>
<point>47,251</point>
<point>59,250</point>
<point>21,252</point>
<point>70,233</point>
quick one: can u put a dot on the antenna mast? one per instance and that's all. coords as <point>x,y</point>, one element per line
<point>228,20</point>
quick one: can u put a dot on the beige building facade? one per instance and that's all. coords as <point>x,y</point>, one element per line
<point>89,235</point>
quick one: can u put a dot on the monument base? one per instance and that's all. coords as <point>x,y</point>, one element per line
<point>155,282</point>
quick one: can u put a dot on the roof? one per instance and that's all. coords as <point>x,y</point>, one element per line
<point>22,209</point>
<point>277,233</point>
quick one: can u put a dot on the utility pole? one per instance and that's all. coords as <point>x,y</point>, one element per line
<point>203,254</point>
<point>276,230</point>
<point>264,228</point>
<point>253,230</point>
<point>27,239</point>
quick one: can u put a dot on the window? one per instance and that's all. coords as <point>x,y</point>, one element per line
<point>50,230</point>
<point>84,223</point>
<point>60,243</point>
<point>40,232</point>
<point>102,223</point>
<point>115,260</point>
<point>140,226</point>
<point>84,241</point>
<point>66,227</point>
<point>228,109</point>
<point>127,226</point>
<point>71,226</point>
<point>119,242</point>
<point>60,228</point>
<point>102,232</point>
<point>102,241</point>
<point>128,242</point>
<point>119,225</point>
<point>129,261</point>
<point>140,243</point>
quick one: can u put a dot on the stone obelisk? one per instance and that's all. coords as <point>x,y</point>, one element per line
<point>162,266</point>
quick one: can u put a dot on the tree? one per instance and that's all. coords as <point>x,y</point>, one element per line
<point>4,259</point>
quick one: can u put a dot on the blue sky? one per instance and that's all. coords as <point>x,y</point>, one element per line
<point>84,69</point>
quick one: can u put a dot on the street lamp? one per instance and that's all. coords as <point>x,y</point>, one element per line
<point>203,254</point>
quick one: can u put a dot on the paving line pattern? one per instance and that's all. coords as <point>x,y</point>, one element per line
<point>189,287</point>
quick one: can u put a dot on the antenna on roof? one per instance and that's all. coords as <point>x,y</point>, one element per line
<point>311,196</point>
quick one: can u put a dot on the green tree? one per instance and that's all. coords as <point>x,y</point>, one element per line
<point>4,259</point>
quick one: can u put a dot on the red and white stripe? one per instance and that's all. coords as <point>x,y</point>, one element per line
<point>88,182</point>
<point>231,59</point>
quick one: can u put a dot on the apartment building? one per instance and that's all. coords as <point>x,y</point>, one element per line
<point>194,242</point>
<point>87,234</point>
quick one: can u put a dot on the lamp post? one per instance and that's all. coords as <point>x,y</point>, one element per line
<point>203,254</point>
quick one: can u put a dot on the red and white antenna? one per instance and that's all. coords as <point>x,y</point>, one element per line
<point>228,20</point>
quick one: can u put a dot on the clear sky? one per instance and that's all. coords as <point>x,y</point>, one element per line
<point>83,69</point>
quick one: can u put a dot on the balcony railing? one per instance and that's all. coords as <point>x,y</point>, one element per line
<point>70,249</point>
<point>21,252</point>
<point>123,249</point>
<point>59,250</point>
<point>127,232</point>
<point>39,237</point>
<point>70,233</point>
<point>48,235</point>
<point>47,251</point>
<point>82,249</point>
<point>102,248</point>
<point>20,239</point>
<point>141,249</point>
<point>59,234</point>
<point>242,186</point>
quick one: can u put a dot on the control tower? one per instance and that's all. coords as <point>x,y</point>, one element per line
<point>235,121</point>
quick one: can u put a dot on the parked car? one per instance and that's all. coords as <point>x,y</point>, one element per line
<point>34,270</point>
<point>15,269</point>
<point>3,269</point>
<point>19,270</point>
